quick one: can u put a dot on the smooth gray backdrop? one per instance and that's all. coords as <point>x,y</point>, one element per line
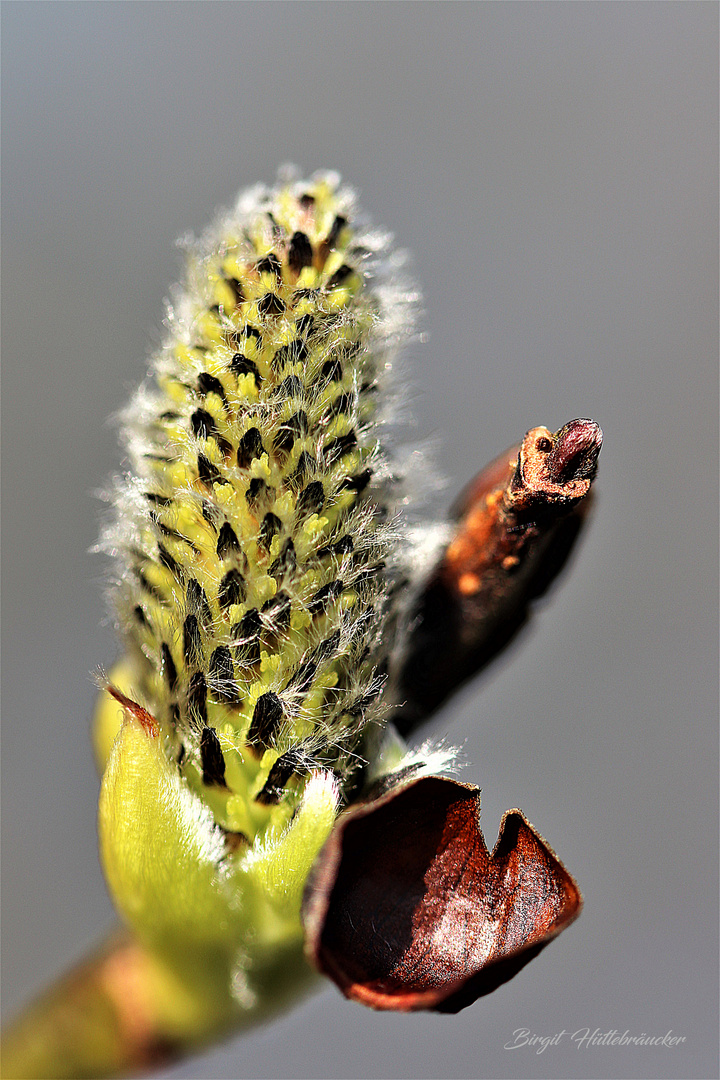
<point>553,168</point>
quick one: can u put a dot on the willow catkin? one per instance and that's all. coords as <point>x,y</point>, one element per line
<point>256,533</point>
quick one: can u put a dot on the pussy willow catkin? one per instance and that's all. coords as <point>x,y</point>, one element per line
<point>255,534</point>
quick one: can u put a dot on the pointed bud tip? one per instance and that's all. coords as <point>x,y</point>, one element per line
<point>556,469</point>
<point>576,451</point>
<point>147,722</point>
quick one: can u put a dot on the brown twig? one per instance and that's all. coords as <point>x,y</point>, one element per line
<point>517,523</point>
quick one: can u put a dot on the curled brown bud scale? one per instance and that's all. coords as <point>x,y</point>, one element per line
<point>407,909</point>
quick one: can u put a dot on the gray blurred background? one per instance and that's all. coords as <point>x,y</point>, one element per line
<point>553,168</point>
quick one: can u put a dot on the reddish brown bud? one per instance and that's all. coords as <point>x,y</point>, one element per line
<point>554,472</point>
<point>407,910</point>
<point>517,523</point>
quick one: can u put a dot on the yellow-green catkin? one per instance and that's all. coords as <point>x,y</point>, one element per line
<point>257,532</point>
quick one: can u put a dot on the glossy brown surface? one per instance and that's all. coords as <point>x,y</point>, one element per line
<point>408,910</point>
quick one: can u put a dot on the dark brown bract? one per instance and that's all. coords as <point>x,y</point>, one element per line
<point>407,909</point>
